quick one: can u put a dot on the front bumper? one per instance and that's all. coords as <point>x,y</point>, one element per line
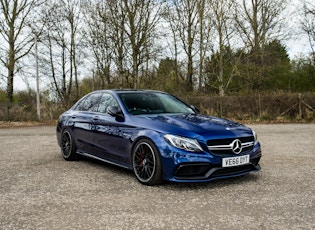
<point>183,167</point>
<point>207,172</point>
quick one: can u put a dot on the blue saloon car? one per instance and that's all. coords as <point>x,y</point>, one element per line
<point>158,136</point>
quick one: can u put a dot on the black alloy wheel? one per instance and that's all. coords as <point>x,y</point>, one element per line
<point>68,147</point>
<point>146,163</point>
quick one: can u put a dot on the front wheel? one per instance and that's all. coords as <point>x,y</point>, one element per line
<point>146,163</point>
<point>68,147</point>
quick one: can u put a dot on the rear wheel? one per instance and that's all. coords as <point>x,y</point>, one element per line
<point>146,163</point>
<point>68,147</point>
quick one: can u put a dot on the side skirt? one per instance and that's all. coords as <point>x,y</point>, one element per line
<point>103,160</point>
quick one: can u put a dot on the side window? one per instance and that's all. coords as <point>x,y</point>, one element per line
<point>80,105</point>
<point>105,101</point>
<point>90,103</point>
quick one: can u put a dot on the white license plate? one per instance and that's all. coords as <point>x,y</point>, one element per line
<point>235,161</point>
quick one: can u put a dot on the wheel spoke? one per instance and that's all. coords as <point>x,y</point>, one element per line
<point>149,161</point>
<point>148,171</point>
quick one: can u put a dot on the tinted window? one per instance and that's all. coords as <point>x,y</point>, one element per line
<point>80,105</point>
<point>105,101</point>
<point>90,103</point>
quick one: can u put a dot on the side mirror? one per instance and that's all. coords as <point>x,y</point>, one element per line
<point>115,112</point>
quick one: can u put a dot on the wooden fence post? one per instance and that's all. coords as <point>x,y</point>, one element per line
<point>259,106</point>
<point>300,107</point>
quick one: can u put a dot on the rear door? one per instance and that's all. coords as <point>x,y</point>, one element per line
<point>82,122</point>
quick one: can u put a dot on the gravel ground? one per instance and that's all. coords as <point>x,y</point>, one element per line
<point>39,190</point>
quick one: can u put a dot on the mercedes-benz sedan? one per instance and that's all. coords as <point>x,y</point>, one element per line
<point>158,136</point>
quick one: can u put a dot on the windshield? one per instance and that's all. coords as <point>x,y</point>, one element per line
<point>138,103</point>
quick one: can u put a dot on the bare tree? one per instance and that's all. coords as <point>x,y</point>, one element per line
<point>170,17</point>
<point>120,46</point>
<point>72,14</point>
<point>186,19</point>
<point>205,25</point>
<point>308,25</point>
<point>18,38</point>
<point>258,22</point>
<point>61,41</point>
<point>223,26</point>
<point>191,25</point>
<point>98,35</point>
<point>125,34</point>
<point>142,17</point>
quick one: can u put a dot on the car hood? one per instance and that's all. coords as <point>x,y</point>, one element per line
<point>201,124</point>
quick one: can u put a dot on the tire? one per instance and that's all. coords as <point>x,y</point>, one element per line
<point>68,147</point>
<point>146,163</point>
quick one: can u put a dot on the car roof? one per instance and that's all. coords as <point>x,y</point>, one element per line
<point>127,91</point>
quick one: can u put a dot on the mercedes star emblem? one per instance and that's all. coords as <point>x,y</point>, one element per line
<point>237,146</point>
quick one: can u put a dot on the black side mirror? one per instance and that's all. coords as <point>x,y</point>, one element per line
<point>115,112</point>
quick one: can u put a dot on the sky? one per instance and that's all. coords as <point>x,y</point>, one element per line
<point>298,43</point>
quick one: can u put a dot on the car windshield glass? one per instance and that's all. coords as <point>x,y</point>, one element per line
<point>138,103</point>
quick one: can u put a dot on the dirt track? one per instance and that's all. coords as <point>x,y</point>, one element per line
<point>39,190</point>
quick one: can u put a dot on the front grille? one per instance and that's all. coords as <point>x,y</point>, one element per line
<point>232,170</point>
<point>225,146</point>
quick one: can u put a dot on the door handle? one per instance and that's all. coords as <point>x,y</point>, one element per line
<point>96,118</point>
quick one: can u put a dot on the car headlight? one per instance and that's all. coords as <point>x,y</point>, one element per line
<point>185,143</point>
<point>255,137</point>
